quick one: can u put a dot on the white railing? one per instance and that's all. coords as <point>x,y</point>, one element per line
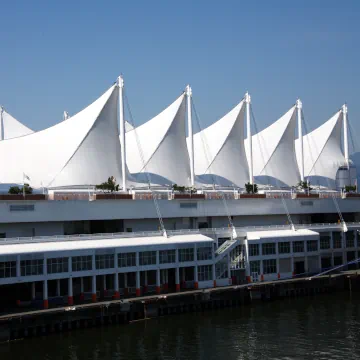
<point>206,231</point>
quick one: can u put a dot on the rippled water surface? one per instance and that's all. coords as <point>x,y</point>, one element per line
<point>326,327</point>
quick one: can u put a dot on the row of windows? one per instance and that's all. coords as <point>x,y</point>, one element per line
<point>204,272</point>
<point>7,269</point>
<point>269,266</point>
<point>298,246</point>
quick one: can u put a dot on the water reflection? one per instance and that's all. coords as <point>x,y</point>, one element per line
<point>323,328</point>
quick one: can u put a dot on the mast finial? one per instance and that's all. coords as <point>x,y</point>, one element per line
<point>120,81</point>
<point>247,98</point>
<point>298,104</point>
<point>188,90</point>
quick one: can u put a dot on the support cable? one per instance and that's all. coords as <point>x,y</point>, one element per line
<point>147,174</point>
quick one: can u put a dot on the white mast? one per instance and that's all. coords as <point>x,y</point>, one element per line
<point>299,118</point>
<point>346,133</point>
<point>249,136</point>
<point>120,84</point>
<point>1,123</point>
<point>190,133</point>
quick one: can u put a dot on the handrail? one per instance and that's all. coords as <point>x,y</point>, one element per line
<point>122,235</point>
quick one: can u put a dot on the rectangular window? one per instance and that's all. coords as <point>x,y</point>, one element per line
<point>255,267</point>
<point>186,254</point>
<point>147,258</point>
<point>104,261</point>
<point>81,263</point>
<point>284,247</point>
<point>350,239</point>
<point>204,253</point>
<point>205,272</point>
<point>222,240</point>
<point>7,269</point>
<point>167,256</point>
<point>298,246</point>
<point>57,265</point>
<point>337,240</point>
<point>324,242</point>
<point>126,260</point>
<point>254,249</point>
<point>312,245</point>
<point>22,207</point>
<point>268,248</point>
<point>32,267</point>
<point>269,266</point>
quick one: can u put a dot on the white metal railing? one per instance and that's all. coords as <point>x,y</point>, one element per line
<point>122,235</point>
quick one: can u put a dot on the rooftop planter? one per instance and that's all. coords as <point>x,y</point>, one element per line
<point>305,196</point>
<point>252,196</point>
<point>350,195</point>
<point>113,197</point>
<point>190,196</point>
<point>22,197</point>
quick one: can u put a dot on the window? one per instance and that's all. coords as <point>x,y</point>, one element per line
<point>147,258</point>
<point>324,242</point>
<point>350,239</point>
<point>81,263</point>
<point>221,269</point>
<point>298,246</point>
<point>104,261</point>
<point>32,267</point>
<point>254,250</point>
<point>205,272</point>
<point>284,247</point>
<point>167,256</point>
<point>312,245</point>
<point>268,249</point>
<point>337,240</point>
<point>221,240</point>
<point>255,267</point>
<point>57,265</point>
<point>204,253</point>
<point>126,260</point>
<point>7,269</point>
<point>188,205</point>
<point>269,266</point>
<point>186,255</point>
<point>22,207</point>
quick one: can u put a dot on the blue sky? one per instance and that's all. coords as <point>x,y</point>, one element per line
<point>58,56</point>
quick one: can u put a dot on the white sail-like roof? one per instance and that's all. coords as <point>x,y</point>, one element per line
<point>220,153</point>
<point>82,150</point>
<point>274,155</point>
<point>10,127</point>
<point>162,143</point>
<point>322,152</point>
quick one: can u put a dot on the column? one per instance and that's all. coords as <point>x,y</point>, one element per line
<point>33,290</point>
<point>158,289</point>
<point>247,262</point>
<point>70,291</point>
<point>126,289</point>
<point>332,248</point>
<point>166,283</point>
<point>145,282</point>
<point>45,294</point>
<point>261,270</point>
<point>116,286</point>
<point>82,296</point>
<point>58,291</point>
<point>104,285</point>
<point>196,280</point>
<point>229,268</point>
<point>93,288</point>
<point>214,274</point>
<point>177,279</point>
<point>278,266</point>
<point>138,293</point>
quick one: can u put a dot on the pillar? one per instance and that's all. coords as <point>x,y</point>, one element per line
<point>126,289</point>
<point>214,274</point>
<point>33,290</point>
<point>45,294</point>
<point>261,270</point>
<point>166,279</point>
<point>196,281</point>
<point>70,291</point>
<point>93,288</point>
<point>158,289</point>
<point>177,279</point>
<point>145,282</point>
<point>82,296</point>
<point>278,267</point>
<point>292,266</point>
<point>116,287</point>
<point>138,292</point>
<point>58,291</point>
<point>247,262</point>
<point>104,285</point>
